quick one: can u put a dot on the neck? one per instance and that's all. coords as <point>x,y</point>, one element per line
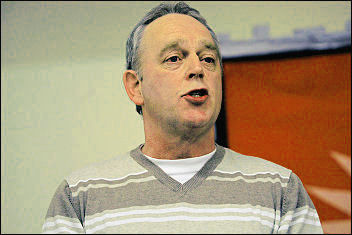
<point>191,143</point>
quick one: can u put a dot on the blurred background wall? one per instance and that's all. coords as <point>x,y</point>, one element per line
<point>63,103</point>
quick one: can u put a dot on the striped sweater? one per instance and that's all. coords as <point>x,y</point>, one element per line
<point>232,193</point>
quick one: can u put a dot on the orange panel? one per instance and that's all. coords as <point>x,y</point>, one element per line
<point>293,112</point>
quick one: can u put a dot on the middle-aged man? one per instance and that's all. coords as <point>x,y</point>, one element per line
<point>179,180</point>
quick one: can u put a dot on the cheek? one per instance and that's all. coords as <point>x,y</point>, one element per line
<point>220,88</point>
<point>160,80</point>
<point>156,88</point>
<point>217,84</point>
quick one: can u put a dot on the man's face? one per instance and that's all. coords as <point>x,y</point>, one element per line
<point>178,56</point>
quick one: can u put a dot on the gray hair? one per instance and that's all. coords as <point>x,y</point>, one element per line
<point>134,40</point>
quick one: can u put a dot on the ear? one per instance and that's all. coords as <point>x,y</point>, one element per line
<point>133,87</point>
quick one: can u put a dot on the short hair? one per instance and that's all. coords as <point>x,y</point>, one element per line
<point>134,39</point>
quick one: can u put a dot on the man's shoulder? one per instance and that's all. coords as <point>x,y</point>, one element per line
<point>112,168</point>
<point>251,165</point>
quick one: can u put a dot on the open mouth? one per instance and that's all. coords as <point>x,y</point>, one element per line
<point>197,96</point>
<point>197,93</point>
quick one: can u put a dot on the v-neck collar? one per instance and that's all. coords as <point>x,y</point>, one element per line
<point>170,182</point>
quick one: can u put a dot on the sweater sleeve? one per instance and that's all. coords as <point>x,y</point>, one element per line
<point>64,214</point>
<point>298,213</point>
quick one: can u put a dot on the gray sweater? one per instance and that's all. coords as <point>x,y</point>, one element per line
<point>232,193</point>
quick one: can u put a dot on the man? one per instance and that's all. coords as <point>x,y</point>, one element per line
<point>179,180</point>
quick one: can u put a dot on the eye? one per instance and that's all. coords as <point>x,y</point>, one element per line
<point>173,59</point>
<point>209,60</point>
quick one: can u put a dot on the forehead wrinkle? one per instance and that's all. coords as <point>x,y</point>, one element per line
<point>209,46</point>
<point>172,45</point>
<point>176,44</point>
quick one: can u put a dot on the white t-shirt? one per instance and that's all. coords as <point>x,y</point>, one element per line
<point>183,169</point>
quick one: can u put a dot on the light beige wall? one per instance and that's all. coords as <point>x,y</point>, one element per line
<point>55,119</point>
<point>63,104</point>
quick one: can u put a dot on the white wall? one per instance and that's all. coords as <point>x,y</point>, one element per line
<point>55,119</point>
<point>63,104</point>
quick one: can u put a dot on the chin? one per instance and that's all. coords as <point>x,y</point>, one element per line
<point>197,121</point>
<point>195,125</point>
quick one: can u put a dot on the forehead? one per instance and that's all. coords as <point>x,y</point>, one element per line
<point>172,27</point>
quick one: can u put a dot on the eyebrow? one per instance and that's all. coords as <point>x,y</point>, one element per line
<point>177,45</point>
<point>208,45</point>
<point>171,45</point>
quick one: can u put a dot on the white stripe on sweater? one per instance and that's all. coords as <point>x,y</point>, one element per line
<point>95,186</point>
<point>264,180</point>
<point>177,218</point>
<point>107,179</point>
<point>61,221</point>
<point>60,229</point>
<point>253,174</point>
<point>255,211</point>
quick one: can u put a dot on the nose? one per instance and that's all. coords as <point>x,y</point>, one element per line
<point>195,69</point>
